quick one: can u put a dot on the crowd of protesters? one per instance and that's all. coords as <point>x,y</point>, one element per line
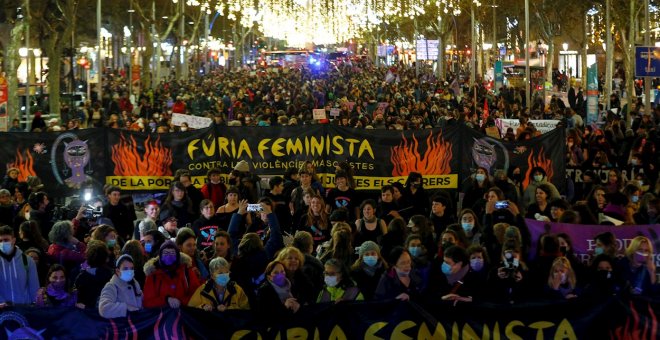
<point>299,243</point>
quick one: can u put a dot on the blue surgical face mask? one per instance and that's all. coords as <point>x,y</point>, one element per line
<point>402,273</point>
<point>148,247</point>
<point>330,281</point>
<point>111,243</point>
<point>222,279</point>
<point>415,251</point>
<point>446,268</point>
<point>599,250</point>
<point>370,260</point>
<point>127,275</point>
<point>480,177</point>
<point>6,247</point>
<point>467,227</point>
<point>538,178</point>
<point>635,198</point>
<point>477,264</point>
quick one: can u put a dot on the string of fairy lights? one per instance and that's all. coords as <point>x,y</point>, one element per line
<point>300,22</point>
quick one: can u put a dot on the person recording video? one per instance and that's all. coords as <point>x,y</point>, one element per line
<point>508,279</point>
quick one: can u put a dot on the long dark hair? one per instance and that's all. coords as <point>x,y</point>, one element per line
<point>323,216</point>
<point>186,199</point>
<point>30,230</point>
<point>56,268</point>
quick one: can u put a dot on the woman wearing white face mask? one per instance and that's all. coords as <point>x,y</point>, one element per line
<point>561,280</point>
<point>338,284</point>
<point>122,294</point>
<point>637,268</point>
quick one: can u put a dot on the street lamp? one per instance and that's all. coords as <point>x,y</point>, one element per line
<point>130,53</point>
<point>527,70</point>
<point>495,50</point>
<point>23,52</point>
<point>37,53</point>
<point>564,46</point>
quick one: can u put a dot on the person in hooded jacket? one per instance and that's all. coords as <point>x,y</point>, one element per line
<point>19,281</point>
<point>122,294</point>
<point>170,278</point>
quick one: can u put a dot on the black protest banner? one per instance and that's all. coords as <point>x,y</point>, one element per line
<point>146,162</point>
<point>545,151</point>
<point>65,162</point>
<point>613,318</point>
<point>140,161</point>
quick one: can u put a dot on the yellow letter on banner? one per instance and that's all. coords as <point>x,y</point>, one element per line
<point>263,145</point>
<point>192,146</point>
<point>373,329</point>
<point>296,333</point>
<point>402,326</point>
<point>469,333</point>
<point>509,330</point>
<point>565,331</point>
<point>425,334</point>
<point>336,334</point>
<point>242,333</point>
<point>540,325</point>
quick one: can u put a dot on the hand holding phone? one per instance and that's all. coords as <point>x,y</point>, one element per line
<point>501,204</point>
